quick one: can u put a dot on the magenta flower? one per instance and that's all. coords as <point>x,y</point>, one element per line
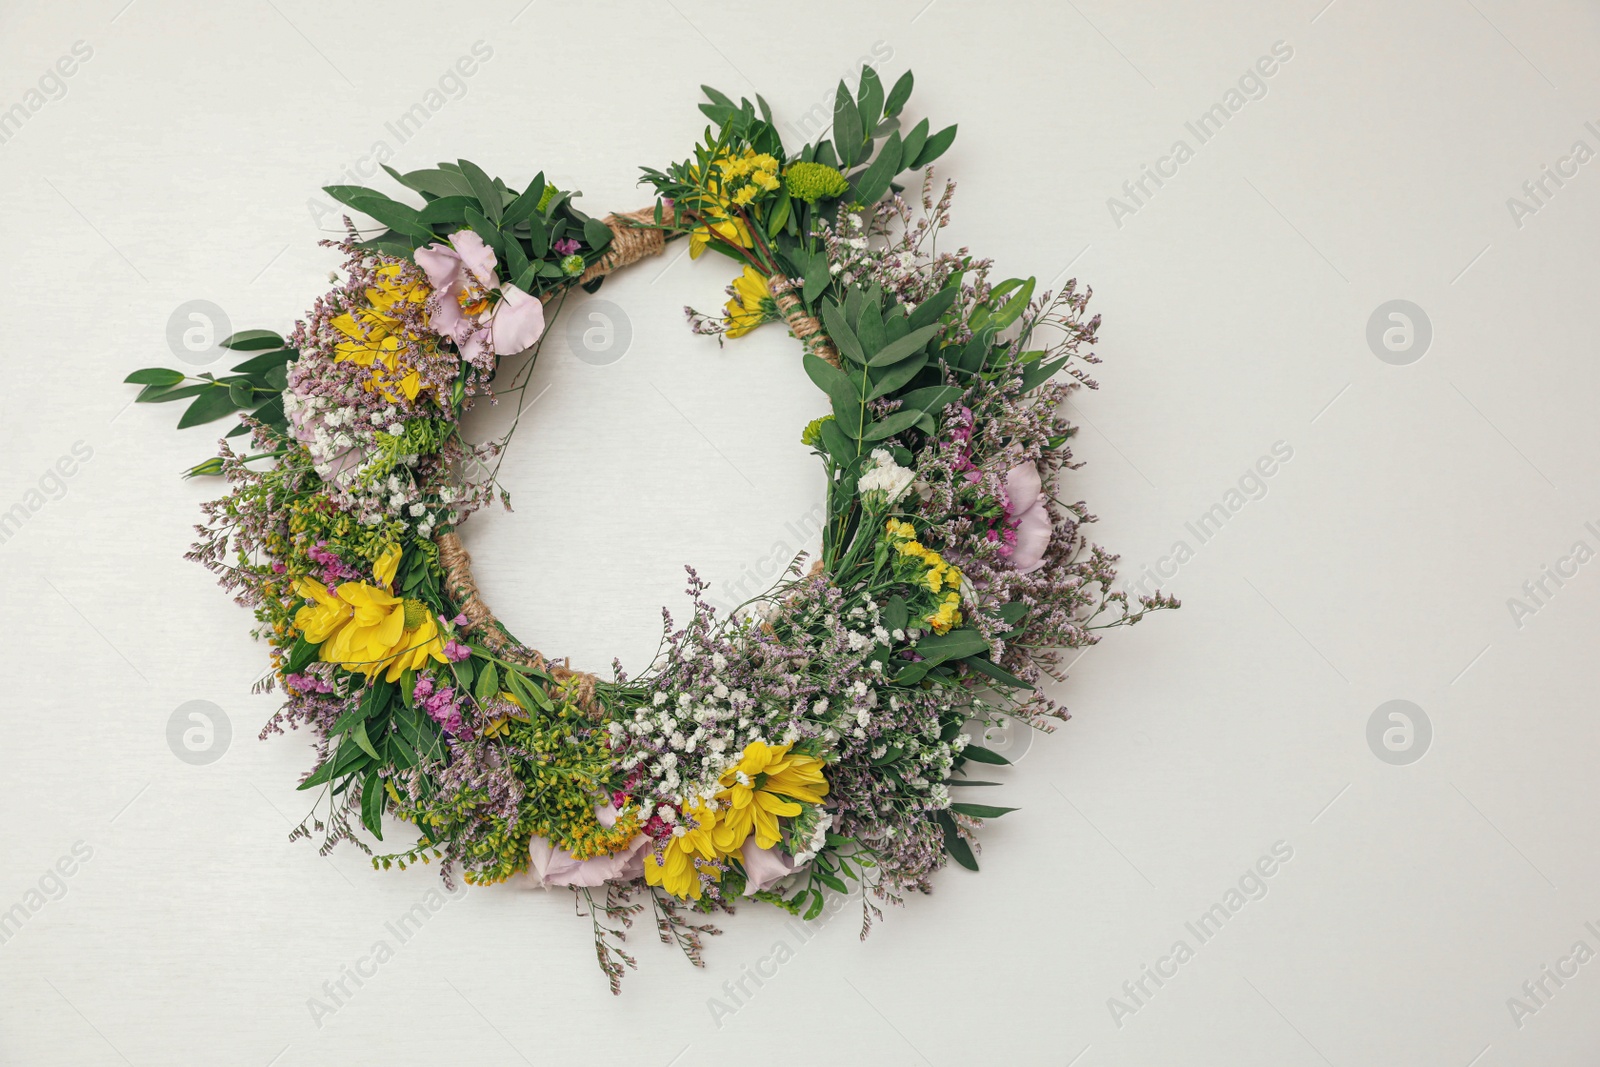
<point>470,305</point>
<point>1027,514</point>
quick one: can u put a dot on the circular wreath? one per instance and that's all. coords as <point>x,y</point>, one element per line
<point>819,735</point>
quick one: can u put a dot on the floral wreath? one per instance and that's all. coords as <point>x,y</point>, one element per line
<point>818,735</point>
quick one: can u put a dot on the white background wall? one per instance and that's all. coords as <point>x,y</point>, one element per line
<point>1378,566</point>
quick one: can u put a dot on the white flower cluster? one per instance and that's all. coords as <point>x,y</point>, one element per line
<point>690,738</point>
<point>886,476</point>
<point>355,454</point>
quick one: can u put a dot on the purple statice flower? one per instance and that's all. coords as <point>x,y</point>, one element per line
<point>441,704</point>
<point>565,246</point>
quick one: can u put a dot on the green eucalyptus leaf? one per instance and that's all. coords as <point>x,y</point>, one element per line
<point>898,95</point>
<point>840,333</point>
<point>252,341</point>
<point>212,404</point>
<point>981,811</point>
<point>483,188</point>
<point>908,345</point>
<point>161,377</point>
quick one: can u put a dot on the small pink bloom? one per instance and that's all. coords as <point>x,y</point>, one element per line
<point>463,276</point>
<point>1029,516</point>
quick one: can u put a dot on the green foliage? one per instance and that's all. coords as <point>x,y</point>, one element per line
<point>254,386</point>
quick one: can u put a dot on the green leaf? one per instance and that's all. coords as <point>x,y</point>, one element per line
<point>830,881</point>
<point>1013,308</point>
<point>267,361</point>
<point>934,148</point>
<point>890,425</point>
<point>897,376</point>
<point>1012,613</point>
<point>359,736</point>
<point>909,345</point>
<point>483,188</point>
<point>161,394</point>
<point>596,234</point>
<point>839,444</point>
<point>780,213</point>
<point>398,217</point>
<point>898,96</point>
<point>953,645</point>
<point>301,655</point>
<point>955,844</point>
<point>869,327</point>
<point>240,393</point>
<point>981,811</point>
<point>716,97</point>
<point>913,143</point>
<point>487,686</point>
<point>847,128</point>
<point>932,398</point>
<point>968,781</point>
<point>253,341</point>
<point>999,674</point>
<point>936,305</point>
<point>874,182</point>
<point>215,403</point>
<point>157,376</point>
<point>525,205</point>
<point>816,907</point>
<point>895,614</point>
<point>445,210</point>
<point>1040,373</point>
<point>816,275</point>
<point>839,331</point>
<point>372,797</point>
<point>838,388</point>
<point>979,754</point>
<point>488,231</point>
<point>436,182</point>
<point>349,194</point>
<point>869,97</point>
<point>271,414</point>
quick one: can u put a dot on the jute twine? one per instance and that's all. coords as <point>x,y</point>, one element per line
<point>805,327</point>
<point>634,236</point>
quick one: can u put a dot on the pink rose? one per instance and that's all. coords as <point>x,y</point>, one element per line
<point>463,308</point>
<point>556,866</point>
<point>764,867</point>
<point>1031,517</point>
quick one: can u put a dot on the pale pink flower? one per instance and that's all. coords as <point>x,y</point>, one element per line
<point>464,306</point>
<point>1032,518</point>
<point>764,867</point>
<point>557,867</point>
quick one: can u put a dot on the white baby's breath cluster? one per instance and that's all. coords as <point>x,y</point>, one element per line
<point>885,476</point>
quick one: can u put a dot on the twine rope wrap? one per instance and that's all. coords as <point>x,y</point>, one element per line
<point>805,327</point>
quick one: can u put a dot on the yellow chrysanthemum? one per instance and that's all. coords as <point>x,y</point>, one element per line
<point>766,783</point>
<point>678,872</point>
<point>731,181</point>
<point>374,337</point>
<point>752,304</point>
<point>731,230</point>
<point>366,628</point>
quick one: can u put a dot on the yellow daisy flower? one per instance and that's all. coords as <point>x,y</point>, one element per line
<point>766,783</point>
